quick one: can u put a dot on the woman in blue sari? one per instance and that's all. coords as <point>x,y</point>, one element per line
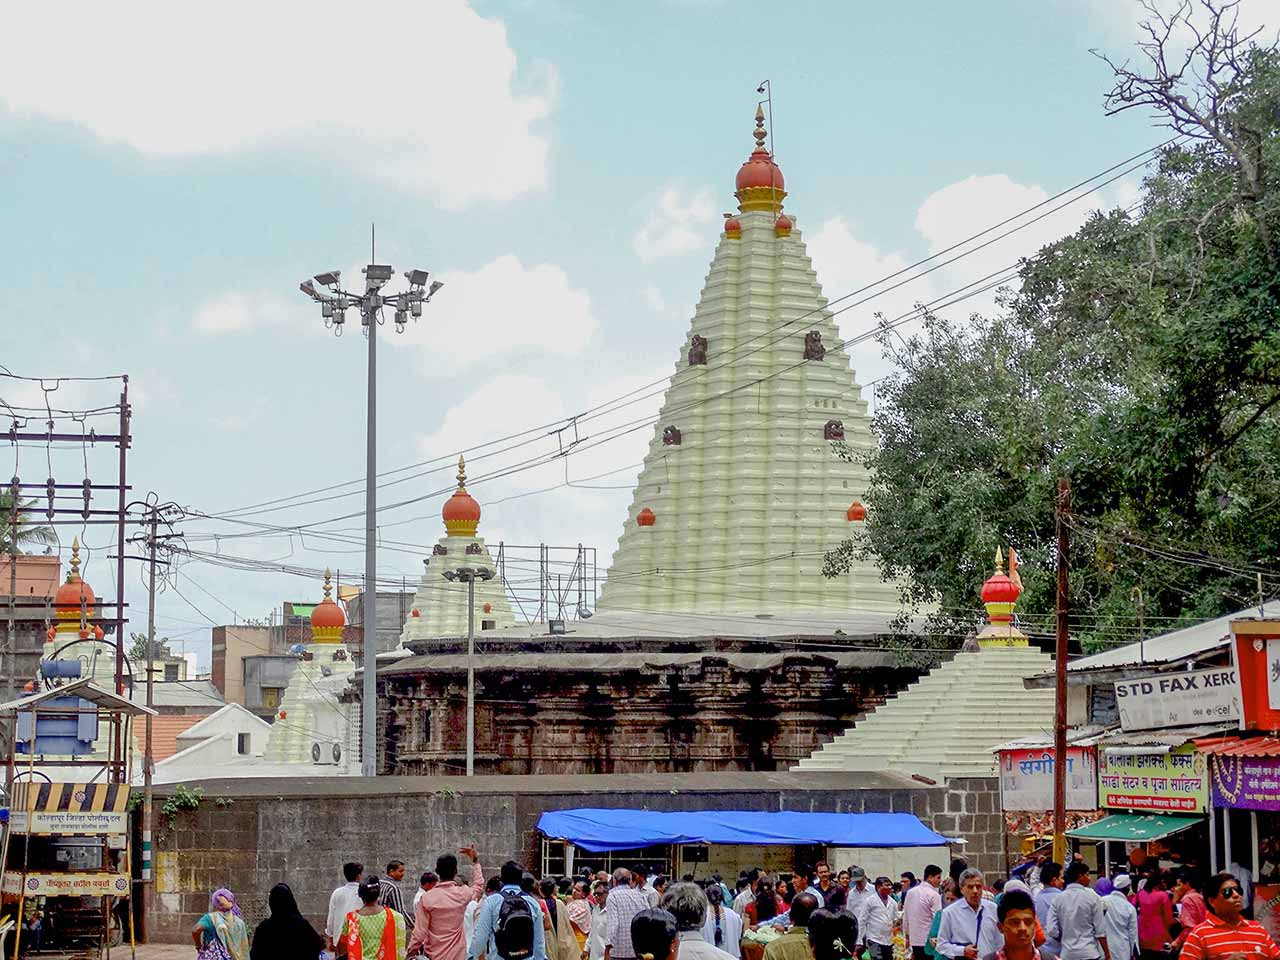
<point>221,933</point>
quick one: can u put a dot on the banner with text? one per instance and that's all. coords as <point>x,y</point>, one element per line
<point>1246,783</point>
<point>1174,782</point>
<point>67,884</point>
<point>1026,779</point>
<point>1178,699</point>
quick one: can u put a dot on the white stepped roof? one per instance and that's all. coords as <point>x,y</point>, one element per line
<point>945,724</point>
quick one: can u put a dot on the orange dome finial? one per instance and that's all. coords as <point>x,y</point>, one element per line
<point>999,594</point>
<point>74,603</point>
<point>327,619</point>
<point>759,185</point>
<point>461,512</point>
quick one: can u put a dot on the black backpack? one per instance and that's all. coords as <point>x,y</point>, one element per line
<point>513,933</point>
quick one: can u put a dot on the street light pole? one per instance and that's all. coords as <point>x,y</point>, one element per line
<point>470,575</point>
<point>333,307</point>
<point>471,676</point>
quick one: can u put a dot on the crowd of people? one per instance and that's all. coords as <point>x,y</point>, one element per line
<point>1043,912</point>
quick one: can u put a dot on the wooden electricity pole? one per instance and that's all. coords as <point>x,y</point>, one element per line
<point>1062,513</point>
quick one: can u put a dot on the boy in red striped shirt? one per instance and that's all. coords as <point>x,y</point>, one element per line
<point>1225,934</point>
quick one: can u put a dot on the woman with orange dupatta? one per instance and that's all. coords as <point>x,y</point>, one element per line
<point>373,932</point>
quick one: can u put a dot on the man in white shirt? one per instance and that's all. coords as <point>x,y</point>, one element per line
<point>746,894</point>
<point>342,901</point>
<point>877,920</point>
<point>688,904</point>
<point>425,883</point>
<point>919,906</point>
<point>969,927</point>
<point>859,893</point>
<point>1077,919</point>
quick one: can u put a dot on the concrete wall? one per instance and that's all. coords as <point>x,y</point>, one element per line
<point>266,671</point>
<point>252,834</point>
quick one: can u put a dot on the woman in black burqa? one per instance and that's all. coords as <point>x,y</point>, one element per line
<point>286,934</point>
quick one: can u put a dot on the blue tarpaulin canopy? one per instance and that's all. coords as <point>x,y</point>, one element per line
<point>601,830</point>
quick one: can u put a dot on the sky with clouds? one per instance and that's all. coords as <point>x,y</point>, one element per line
<point>167,180</point>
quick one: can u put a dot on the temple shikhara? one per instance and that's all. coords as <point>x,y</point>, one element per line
<point>755,466</point>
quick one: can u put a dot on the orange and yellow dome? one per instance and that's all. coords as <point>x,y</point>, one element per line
<point>74,604</point>
<point>327,619</point>
<point>759,184</point>
<point>461,512</point>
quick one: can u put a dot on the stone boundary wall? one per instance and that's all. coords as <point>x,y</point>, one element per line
<point>248,838</point>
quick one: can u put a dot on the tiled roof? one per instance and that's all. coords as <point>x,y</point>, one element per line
<point>1240,746</point>
<point>165,730</point>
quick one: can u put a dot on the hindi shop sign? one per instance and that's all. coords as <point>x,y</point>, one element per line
<point>1026,779</point>
<point>1246,783</point>
<point>1174,782</point>
<point>66,884</point>
<point>1178,699</point>
<point>50,822</point>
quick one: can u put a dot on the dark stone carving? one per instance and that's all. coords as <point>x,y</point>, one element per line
<point>438,550</point>
<point>698,351</point>
<point>474,549</point>
<point>833,430</point>
<point>671,437</point>
<point>813,348</point>
<point>339,655</point>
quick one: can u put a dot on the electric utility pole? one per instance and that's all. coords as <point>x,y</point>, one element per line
<point>153,515</point>
<point>1062,514</point>
<point>333,308</point>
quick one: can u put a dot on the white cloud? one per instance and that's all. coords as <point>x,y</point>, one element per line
<point>235,312</point>
<point>677,225</point>
<point>518,307</point>
<point>498,407</point>
<point>433,109</point>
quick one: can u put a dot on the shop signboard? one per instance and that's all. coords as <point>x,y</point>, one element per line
<point>47,822</point>
<point>1026,779</point>
<point>67,884</point>
<point>1257,656</point>
<point>1178,699</point>
<point>1173,782</point>
<point>1246,783</point>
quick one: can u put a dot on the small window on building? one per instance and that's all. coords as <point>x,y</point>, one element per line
<point>242,743</point>
<point>270,697</point>
<point>171,671</point>
<point>488,624</point>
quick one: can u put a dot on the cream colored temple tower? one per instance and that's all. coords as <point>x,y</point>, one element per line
<point>744,486</point>
<point>312,725</point>
<point>439,605</point>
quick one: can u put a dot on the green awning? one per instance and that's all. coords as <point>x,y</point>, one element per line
<point>301,609</point>
<point>1136,827</point>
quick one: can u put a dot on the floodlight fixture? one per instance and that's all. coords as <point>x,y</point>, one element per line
<point>309,289</point>
<point>484,573</point>
<point>378,271</point>
<point>329,279</point>
<point>326,309</point>
<point>415,307</point>
<point>417,278</point>
<point>434,288</point>
<point>555,628</point>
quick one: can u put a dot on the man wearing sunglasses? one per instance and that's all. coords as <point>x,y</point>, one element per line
<point>1225,933</point>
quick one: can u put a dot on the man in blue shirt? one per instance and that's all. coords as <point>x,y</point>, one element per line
<point>487,919</point>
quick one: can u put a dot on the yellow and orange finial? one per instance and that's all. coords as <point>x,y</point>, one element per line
<point>999,594</point>
<point>759,185</point>
<point>74,604</point>
<point>461,513</point>
<point>327,619</point>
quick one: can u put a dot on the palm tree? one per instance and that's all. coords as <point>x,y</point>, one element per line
<point>26,533</point>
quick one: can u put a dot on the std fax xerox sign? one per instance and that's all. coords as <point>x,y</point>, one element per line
<point>1179,699</point>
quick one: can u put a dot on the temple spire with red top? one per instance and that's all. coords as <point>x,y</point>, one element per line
<point>759,185</point>
<point>327,619</point>
<point>999,594</point>
<point>75,604</point>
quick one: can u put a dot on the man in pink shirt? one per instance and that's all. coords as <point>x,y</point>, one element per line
<point>918,907</point>
<point>437,922</point>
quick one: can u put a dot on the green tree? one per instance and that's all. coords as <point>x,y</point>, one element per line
<point>1140,357</point>
<point>25,534</point>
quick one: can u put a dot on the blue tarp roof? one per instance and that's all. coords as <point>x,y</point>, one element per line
<point>601,830</point>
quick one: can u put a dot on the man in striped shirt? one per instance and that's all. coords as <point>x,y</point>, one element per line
<point>1225,934</point>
